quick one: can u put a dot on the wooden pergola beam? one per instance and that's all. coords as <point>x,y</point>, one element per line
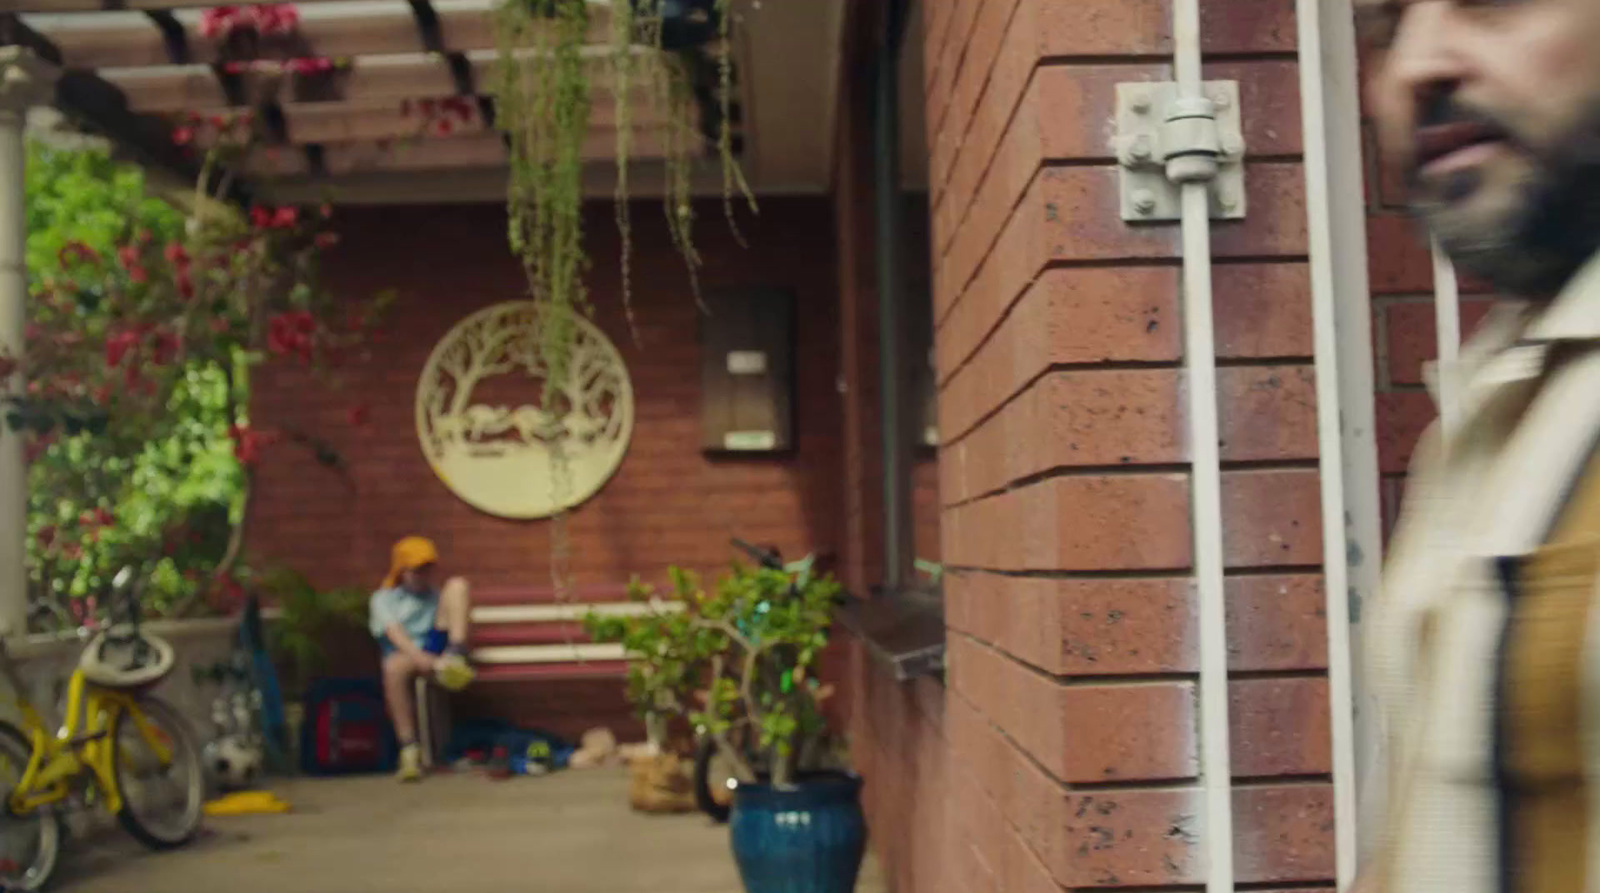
<point>369,80</point>
<point>343,122</point>
<point>130,40</point>
<point>482,150</point>
<point>48,7</point>
<point>99,106</point>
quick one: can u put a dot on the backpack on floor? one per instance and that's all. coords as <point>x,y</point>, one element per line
<point>346,730</point>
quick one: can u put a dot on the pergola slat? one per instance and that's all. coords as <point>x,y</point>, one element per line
<point>343,122</point>
<point>52,7</point>
<point>399,76</point>
<point>126,40</point>
<point>484,150</point>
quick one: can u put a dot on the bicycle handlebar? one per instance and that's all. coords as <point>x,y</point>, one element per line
<point>764,557</point>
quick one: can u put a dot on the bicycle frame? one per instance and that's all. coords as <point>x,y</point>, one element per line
<point>82,744</point>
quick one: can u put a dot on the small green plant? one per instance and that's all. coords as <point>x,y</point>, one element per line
<point>739,661</point>
<point>308,616</point>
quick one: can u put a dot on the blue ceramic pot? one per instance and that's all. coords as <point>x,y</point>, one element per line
<point>805,838</point>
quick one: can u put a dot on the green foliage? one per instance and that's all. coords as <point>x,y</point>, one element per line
<point>166,481</point>
<point>143,324</point>
<point>308,617</point>
<point>543,89</point>
<point>739,661</point>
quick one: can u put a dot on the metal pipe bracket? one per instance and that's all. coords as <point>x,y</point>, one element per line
<point>1165,140</point>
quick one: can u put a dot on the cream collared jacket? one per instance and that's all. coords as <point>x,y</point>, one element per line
<point>1483,647</point>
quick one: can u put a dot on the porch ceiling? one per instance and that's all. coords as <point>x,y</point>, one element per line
<point>133,69</point>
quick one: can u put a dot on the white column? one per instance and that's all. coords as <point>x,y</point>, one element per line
<point>24,82</point>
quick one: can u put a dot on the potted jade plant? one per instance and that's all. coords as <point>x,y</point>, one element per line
<point>740,662</point>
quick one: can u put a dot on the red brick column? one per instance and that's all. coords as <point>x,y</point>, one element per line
<point>1071,707</point>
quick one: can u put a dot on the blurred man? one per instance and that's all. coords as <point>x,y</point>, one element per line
<point>1482,648</point>
<point>422,631</point>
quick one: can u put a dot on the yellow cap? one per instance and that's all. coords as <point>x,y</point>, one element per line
<point>409,554</point>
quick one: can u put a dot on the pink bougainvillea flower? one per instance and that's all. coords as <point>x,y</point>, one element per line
<point>176,254</point>
<point>138,274</point>
<point>327,240</point>
<point>285,218</point>
<point>128,256</point>
<point>165,350</point>
<point>218,21</point>
<point>185,284</point>
<point>119,345</point>
<point>260,217</point>
<point>182,136</point>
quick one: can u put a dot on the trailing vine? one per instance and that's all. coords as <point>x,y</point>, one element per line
<point>542,89</point>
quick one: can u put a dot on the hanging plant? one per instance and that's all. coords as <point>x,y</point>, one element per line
<point>546,78</point>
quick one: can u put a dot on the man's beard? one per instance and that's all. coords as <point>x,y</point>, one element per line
<point>1548,231</point>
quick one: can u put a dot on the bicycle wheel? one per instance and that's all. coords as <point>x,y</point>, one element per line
<point>161,802</point>
<point>29,845</point>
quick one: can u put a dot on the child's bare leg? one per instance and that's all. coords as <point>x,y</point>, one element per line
<point>455,611</point>
<point>397,695</point>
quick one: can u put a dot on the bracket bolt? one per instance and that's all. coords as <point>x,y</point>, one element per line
<point>1141,149</point>
<point>1232,146</point>
<point>1144,201</point>
<point>1220,100</point>
<point>1227,201</point>
<point>1140,103</point>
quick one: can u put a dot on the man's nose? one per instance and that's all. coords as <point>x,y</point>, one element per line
<point>1425,60</point>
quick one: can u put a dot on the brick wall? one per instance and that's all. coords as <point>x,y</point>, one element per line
<point>1070,711</point>
<point>668,503</point>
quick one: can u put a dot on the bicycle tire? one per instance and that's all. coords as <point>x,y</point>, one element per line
<point>143,830</point>
<point>705,752</point>
<point>16,745</point>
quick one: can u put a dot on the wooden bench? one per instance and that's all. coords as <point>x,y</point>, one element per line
<point>524,634</point>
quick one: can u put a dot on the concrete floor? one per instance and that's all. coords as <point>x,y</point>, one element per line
<point>571,832</point>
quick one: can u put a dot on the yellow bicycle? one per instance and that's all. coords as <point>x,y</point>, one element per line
<point>118,748</point>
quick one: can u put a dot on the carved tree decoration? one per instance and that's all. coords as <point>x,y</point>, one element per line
<point>496,453</point>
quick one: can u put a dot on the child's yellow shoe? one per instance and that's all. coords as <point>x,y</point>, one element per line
<point>410,763</point>
<point>453,673</point>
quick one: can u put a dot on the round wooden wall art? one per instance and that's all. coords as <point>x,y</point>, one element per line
<point>485,429</point>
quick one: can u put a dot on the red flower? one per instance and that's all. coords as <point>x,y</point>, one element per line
<point>260,217</point>
<point>46,536</point>
<point>218,21</point>
<point>138,274</point>
<point>235,67</point>
<point>443,127</point>
<point>72,552</point>
<point>128,256</point>
<point>285,218</point>
<point>327,240</point>
<point>185,285</point>
<point>176,255</point>
<point>359,416</point>
<point>327,211</point>
<point>104,517</point>
<point>118,346</point>
<point>77,251</point>
<point>182,136</point>
<point>101,395</point>
<point>248,443</point>
<point>166,349</point>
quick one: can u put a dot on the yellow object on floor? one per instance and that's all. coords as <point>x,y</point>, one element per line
<point>247,803</point>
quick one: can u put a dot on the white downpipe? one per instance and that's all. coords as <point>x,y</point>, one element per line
<point>13,304</point>
<point>1200,354</point>
<point>1335,542</point>
<point>1447,317</point>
